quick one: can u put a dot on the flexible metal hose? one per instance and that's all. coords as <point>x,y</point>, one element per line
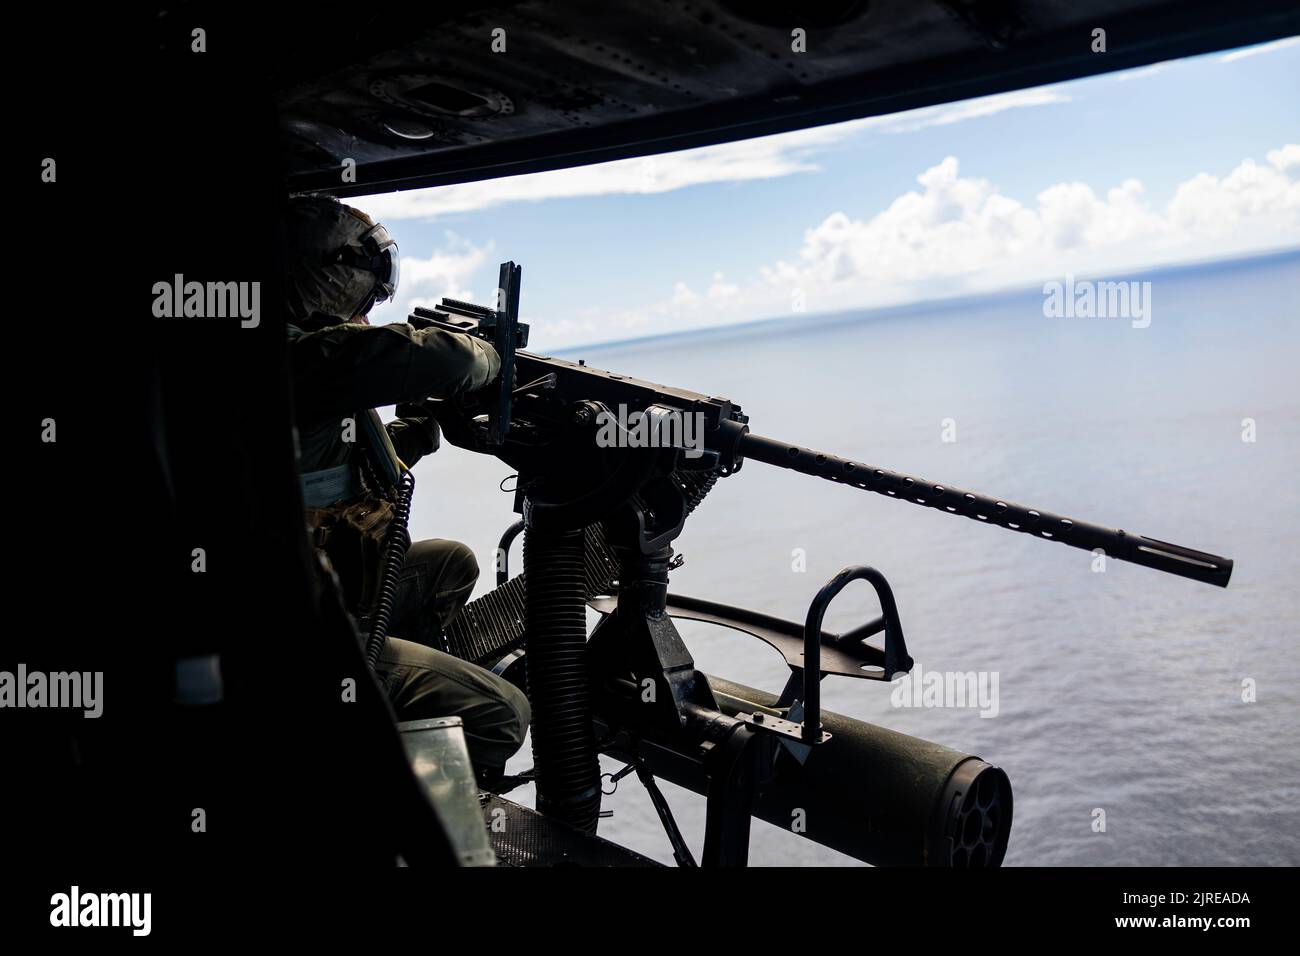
<point>564,742</point>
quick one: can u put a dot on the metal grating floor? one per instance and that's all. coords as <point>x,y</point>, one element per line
<point>523,837</point>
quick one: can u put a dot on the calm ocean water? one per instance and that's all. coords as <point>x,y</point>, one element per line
<point>1120,691</point>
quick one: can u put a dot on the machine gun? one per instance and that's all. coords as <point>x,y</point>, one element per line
<point>610,467</point>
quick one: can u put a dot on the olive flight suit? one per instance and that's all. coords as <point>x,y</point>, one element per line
<point>342,371</point>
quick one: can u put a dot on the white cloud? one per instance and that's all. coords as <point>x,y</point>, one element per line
<point>951,235</point>
<point>721,289</point>
<point>766,157</point>
<point>554,331</point>
<point>1288,157</point>
<point>683,297</point>
<point>949,113</point>
<point>957,235</point>
<point>1143,71</point>
<point>962,227</point>
<point>1258,194</point>
<point>1259,48</point>
<point>732,162</point>
<point>446,267</point>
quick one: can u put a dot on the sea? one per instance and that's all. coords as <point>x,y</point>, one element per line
<point>1143,719</point>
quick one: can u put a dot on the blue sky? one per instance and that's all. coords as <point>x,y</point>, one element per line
<point>1183,161</point>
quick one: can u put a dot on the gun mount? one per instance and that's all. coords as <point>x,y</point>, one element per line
<point>609,469</point>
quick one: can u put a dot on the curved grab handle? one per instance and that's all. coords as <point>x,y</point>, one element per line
<point>503,551</point>
<point>897,659</point>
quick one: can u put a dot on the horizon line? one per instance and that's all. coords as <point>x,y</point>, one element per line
<point>1278,253</point>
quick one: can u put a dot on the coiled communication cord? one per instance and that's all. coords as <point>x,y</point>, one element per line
<point>397,541</point>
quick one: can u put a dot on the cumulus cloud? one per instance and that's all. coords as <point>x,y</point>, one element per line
<point>1284,159</point>
<point>959,226</point>
<point>958,234</point>
<point>1251,192</point>
<point>952,234</point>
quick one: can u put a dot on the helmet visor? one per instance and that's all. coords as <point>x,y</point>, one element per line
<point>384,261</point>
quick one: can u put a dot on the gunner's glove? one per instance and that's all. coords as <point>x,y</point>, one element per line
<point>418,417</point>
